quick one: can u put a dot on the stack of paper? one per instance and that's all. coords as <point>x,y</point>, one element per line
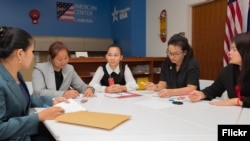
<point>72,106</point>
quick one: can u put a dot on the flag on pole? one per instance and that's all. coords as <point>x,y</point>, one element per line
<point>248,17</point>
<point>236,22</point>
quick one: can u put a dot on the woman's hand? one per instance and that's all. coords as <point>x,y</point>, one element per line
<point>89,92</point>
<point>196,96</point>
<point>227,102</point>
<point>114,89</point>
<point>71,94</point>
<point>150,86</point>
<point>165,93</point>
<point>59,100</point>
<point>50,113</point>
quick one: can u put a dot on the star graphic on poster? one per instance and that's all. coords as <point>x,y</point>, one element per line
<point>115,15</point>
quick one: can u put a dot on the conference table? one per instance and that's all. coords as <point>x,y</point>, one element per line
<point>152,118</point>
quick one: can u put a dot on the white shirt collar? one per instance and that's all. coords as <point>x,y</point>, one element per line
<point>109,70</point>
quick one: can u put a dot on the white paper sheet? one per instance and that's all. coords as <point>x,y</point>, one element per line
<point>72,106</point>
<point>156,104</point>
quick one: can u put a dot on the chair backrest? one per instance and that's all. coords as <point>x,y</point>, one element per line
<point>206,83</point>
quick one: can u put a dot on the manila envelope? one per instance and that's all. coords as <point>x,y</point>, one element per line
<point>93,119</point>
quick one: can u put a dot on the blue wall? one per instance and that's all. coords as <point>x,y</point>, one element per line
<point>128,31</point>
<point>138,28</point>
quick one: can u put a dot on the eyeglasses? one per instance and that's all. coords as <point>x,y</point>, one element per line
<point>174,54</point>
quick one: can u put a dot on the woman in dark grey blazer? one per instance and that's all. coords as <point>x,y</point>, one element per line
<point>58,78</point>
<point>16,53</point>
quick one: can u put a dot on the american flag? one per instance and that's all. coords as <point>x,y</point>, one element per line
<point>236,22</point>
<point>65,11</point>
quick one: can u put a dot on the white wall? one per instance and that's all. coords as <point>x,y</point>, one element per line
<point>178,20</point>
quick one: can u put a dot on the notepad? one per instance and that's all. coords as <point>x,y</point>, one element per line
<point>72,106</point>
<point>93,119</point>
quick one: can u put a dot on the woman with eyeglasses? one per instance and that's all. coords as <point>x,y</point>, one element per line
<point>179,72</point>
<point>234,78</point>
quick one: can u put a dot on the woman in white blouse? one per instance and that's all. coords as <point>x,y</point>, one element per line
<point>113,76</point>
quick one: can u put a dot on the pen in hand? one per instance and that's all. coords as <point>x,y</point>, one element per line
<point>71,93</point>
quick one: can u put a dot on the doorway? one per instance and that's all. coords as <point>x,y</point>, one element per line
<point>208,31</point>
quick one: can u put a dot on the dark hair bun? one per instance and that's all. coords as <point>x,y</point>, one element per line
<point>2,31</point>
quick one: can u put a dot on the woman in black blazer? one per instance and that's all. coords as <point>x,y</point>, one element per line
<point>234,78</point>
